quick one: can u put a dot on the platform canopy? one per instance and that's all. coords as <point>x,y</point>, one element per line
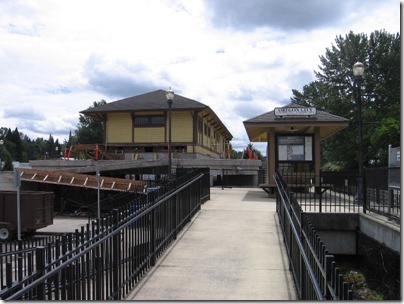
<point>292,119</point>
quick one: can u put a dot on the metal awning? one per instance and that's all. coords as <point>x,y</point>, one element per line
<point>82,180</point>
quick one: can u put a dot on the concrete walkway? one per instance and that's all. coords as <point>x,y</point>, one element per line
<point>232,250</point>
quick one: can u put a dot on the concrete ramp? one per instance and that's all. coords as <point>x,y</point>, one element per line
<point>232,250</point>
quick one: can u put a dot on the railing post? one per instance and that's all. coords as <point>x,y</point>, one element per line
<point>175,216</point>
<point>363,192</point>
<point>9,274</point>
<point>320,194</point>
<point>189,205</point>
<point>389,200</point>
<point>116,254</point>
<point>153,237</point>
<point>40,269</point>
<point>301,262</point>
<point>328,275</point>
<point>290,198</point>
<point>97,278</point>
<point>337,282</point>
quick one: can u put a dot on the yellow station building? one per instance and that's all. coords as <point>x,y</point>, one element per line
<point>138,126</point>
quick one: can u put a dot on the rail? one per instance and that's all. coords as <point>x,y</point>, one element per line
<point>314,269</point>
<point>337,191</point>
<point>105,260</point>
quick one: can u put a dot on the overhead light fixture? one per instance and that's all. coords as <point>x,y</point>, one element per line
<point>170,95</point>
<point>358,69</point>
<point>293,129</point>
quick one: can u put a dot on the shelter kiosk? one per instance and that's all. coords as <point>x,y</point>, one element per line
<point>293,134</point>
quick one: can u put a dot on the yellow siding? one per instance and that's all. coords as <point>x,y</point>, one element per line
<point>119,128</point>
<point>149,135</point>
<point>202,150</point>
<point>211,145</point>
<point>181,127</point>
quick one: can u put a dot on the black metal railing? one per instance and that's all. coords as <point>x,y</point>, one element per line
<point>383,191</point>
<point>337,191</point>
<point>314,269</point>
<point>107,258</point>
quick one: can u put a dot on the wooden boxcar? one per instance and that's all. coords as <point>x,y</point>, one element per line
<point>36,210</point>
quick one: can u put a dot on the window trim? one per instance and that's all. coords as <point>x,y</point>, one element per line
<point>149,122</point>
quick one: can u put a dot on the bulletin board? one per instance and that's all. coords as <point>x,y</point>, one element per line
<point>294,148</point>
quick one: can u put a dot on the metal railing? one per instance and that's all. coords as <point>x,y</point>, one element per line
<point>314,270</point>
<point>337,191</point>
<point>105,260</point>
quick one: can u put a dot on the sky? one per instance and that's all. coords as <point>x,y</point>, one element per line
<point>242,58</point>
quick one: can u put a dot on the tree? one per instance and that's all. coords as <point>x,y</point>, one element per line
<point>15,149</point>
<point>31,150</point>
<point>250,152</point>
<point>71,140</point>
<point>90,130</point>
<point>5,156</point>
<point>19,147</point>
<point>333,92</point>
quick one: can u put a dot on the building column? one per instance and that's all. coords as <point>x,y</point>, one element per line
<point>271,157</point>
<point>317,154</point>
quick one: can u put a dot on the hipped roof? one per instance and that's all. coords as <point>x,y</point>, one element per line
<point>258,127</point>
<point>156,101</point>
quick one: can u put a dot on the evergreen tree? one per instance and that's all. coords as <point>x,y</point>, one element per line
<point>50,147</point>
<point>15,149</point>
<point>333,92</point>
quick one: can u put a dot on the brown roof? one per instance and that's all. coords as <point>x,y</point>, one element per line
<point>257,128</point>
<point>157,101</point>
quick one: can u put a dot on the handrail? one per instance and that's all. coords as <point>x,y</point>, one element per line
<point>313,278</point>
<point>326,281</point>
<point>115,246</point>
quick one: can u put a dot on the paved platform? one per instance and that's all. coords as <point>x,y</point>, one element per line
<point>65,223</point>
<point>232,250</point>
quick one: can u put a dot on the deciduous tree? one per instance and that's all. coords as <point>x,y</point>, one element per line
<point>90,130</point>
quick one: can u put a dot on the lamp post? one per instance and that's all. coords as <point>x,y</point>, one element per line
<point>358,70</point>
<point>1,152</point>
<point>170,98</point>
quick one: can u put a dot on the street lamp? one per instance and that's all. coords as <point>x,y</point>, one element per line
<point>358,70</point>
<point>170,98</point>
<point>1,150</point>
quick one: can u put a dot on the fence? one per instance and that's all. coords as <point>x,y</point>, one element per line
<point>314,270</point>
<point>337,191</point>
<point>239,178</point>
<point>106,259</point>
<point>383,191</point>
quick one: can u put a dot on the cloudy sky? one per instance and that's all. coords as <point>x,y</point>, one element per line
<point>240,57</point>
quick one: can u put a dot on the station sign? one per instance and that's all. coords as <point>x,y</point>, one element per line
<point>295,111</point>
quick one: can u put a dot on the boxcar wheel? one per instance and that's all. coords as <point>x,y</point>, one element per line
<point>5,234</point>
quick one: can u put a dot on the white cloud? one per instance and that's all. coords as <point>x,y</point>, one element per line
<point>59,56</point>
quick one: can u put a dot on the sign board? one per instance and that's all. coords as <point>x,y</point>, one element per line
<point>394,157</point>
<point>394,168</point>
<point>295,111</point>
<point>295,148</point>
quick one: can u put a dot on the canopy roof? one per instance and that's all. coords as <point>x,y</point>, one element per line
<point>258,127</point>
